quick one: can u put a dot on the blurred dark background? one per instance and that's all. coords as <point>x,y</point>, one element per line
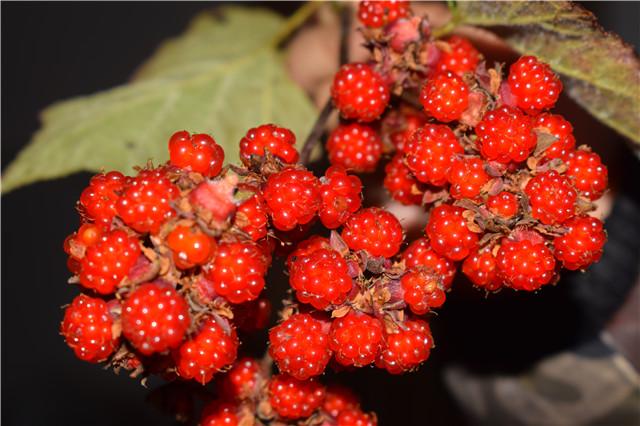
<point>53,51</point>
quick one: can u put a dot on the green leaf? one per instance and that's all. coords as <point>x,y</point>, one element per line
<point>222,77</point>
<point>601,72</point>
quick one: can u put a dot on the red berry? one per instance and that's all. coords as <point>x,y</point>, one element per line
<point>307,247</point>
<point>420,254</point>
<point>252,316</point>
<point>293,198</point>
<point>482,270</point>
<point>505,135</point>
<point>401,183</point>
<point>219,413</point>
<point>552,197</point>
<point>525,264</point>
<point>251,217</point>
<point>146,202</point>
<point>505,204</point>
<point>533,83</point>
<point>460,57</point>
<point>359,92</point>
<point>355,147</point>
<point>375,230</point>
<point>196,153</point>
<point>76,244</point>
<point>208,352</point>
<point>279,141</point>
<point>356,339</point>
<point>467,177</point>
<point>355,417</point>
<point>155,318</point>
<point>430,153</point>
<point>582,244</point>
<point>98,200</point>
<point>293,399</point>
<point>588,174</point>
<point>400,124</point>
<point>87,329</point>
<point>300,346</point>
<point>557,126</point>
<point>108,261</point>
<point>238,271</point>
<point>338,399</point>
<point>406,348</point>
<point>341,196</point>
<point>445,96</point>
<point>376,14</point>
<point>242,381</point>
<point>190,246</point>
<point>449,234</point>
<point>423,290</point>
<point>320,278</point>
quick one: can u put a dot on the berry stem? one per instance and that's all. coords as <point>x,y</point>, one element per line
<point>327,109</point>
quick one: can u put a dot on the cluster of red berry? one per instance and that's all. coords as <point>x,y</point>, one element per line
<point>248,390</point>
<point>507,190</point>
<point>172,261</point>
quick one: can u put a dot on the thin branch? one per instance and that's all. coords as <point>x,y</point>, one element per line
<point>319,126</point>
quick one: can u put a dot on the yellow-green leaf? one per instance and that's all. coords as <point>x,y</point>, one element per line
<point>601,72</point>
<point>222,77</point>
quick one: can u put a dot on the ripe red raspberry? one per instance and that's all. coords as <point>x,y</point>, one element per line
<point>355,147</point>
<point>407,348</point>
<point>238,271</point>
<point>430,153</point>
<point>359,92</point>
<point>376,14</point>
<point>155,318</point>
<point>251,217</point>
<point>98,200</point>
<point>533,83</point>
<point>87,329</point>
<point>460,57</point>
<point>108,261</point>
<point>293,198</point>
<point>190,246</point>
<point>401,183</point>
<point>146,201</point>
<point>196,153</point>
<point>356,339</point>
<point>294,399</point>
<point>582,245</point>
<point>422,290</point>
<point>211,350</point>
<point>552,197</point>
<point>355,417</point>
<point>467,177</point>
<point>588,174</point>
<point>279,141</point>
<point>375,230</point>
<point>557,126</point>
<point>338,399</point>
<point>505,135</point>
<point>219,413</point>
<point>449,234</point>
<point>307,247</point>
<point>320,278</point>
<point>242,381</point>
<point>341,196</point>
<point>482,270</point>
<point>76,244</point>
<point>419,254</point>
<point>445,96</point>
<point>505,204</point>
<point>300,345</point>
<point>525,264</point>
